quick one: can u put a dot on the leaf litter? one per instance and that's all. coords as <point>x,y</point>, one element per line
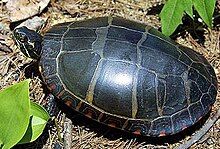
<point>13,65</point>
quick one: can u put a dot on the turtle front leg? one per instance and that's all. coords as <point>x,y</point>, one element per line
<point>53,110</point>
<point>51,105</point>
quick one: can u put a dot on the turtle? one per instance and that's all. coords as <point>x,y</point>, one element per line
<point>123,73</point>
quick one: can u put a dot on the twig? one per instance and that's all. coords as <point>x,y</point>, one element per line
<point>58,129</point>
<point>5,48</point>
<point>67,133</point>
<point>201,132</point>
<point>129,4</point>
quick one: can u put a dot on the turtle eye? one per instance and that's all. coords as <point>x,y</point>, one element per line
<point>23,38</point>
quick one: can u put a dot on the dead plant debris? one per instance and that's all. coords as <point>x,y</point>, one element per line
<point>13,66</point>
<point>23,9</point>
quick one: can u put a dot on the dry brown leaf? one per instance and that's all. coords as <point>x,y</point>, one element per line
<point>34,23</point>
<point>23,9</point>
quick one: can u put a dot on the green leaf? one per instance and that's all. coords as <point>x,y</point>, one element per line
<point>14,113</point>
<point>205,9</point>
<point>38,121</point>
<point>171,16</point>
<point>188,7</point>
<point>1,143</point>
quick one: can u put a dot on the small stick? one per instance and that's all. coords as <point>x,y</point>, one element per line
<point>201,132</point>
<point>67,133</point>
<point>58,129</point>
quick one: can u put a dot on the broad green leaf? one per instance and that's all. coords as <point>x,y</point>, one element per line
<point>188,7</point>
<point>205,8</point>
<point>14,113</point>
<point>171,16</point>
<point>1,143</point>
<point>38,121</point>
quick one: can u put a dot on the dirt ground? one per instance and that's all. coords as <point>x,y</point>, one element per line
<point>14,67</point>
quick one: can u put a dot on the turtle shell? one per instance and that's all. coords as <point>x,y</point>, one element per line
<point>127,75</point>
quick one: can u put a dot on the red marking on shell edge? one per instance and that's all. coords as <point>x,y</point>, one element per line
<point>199,118</point>
<point>78,106</point>
<point>112,125</point>
<point>52,86</point>
<point>68,103</point>
<point>89,114</point>
<point>137,132</point>
<point>100,116</point>
<point>184,127</point>
<point>162,133</point>
<point>60,94</point>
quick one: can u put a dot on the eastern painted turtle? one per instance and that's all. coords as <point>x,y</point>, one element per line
<point>123,74</point>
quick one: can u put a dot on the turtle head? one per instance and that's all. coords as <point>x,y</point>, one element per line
<point>28,41</point>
